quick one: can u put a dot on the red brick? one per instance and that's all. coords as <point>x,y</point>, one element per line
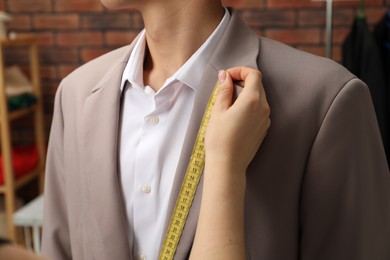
<point>50,89</point>
<point>43,38</point>
<point>311,3</point>
<point>300,23</point>
<point>320,51</point>
<point>136,21</point>
<point>106,21</point>
<point>29,6</point>
<point>64,70</point>
<point>57,21</point>
<point>316,17</point>
<point>244,3</point>
<point>295,36</point>
<point>48,72</point>
<point>293,3</point>
<point>268,18</point>
<point>357,3</point>
<point>342,16</point>
<point>20,22</point>
<point>119,38</point>
<point>78,6</point>
<point>59,56</point>
<point>338,35</point>
<point>336,53</point>
<point>79,39</point>
<point>16,55</point>
<point>311,17</point>
<point>375,15</point>
<point>316,50</point>
<point>92,53</point>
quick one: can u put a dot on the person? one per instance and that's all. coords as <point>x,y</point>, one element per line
<point>124,126</point>
<point>9,251</point>
<point>220,230</point>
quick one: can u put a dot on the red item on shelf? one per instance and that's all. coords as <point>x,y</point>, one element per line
<point>24,160</point>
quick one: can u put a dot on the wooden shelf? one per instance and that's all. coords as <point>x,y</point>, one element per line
<point>19,41</point>
<point>10,183</point>
<point>20,182</point>
<point>22,112</point>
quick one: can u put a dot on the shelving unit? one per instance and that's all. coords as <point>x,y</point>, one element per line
<point>6,117</point>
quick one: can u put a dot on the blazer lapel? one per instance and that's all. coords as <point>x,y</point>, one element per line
<point>239,46</point>
<point>99,139</point>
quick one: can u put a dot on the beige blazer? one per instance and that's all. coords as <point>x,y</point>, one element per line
<point>319,187</point>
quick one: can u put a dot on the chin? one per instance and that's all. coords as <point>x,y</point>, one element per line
<point>117,4</point>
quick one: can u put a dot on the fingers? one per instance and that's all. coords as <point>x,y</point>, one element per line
<point>251,80</point>
<point>242,73</point>
<point>225,91</point>
<point>248,77</point>
<point>253,95</point>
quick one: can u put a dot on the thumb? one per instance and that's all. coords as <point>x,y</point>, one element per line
<point>225,91</point>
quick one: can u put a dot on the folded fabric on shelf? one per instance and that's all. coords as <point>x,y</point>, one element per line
<point>16,83</point>
<point>21,101</point>
<point>24,160</point>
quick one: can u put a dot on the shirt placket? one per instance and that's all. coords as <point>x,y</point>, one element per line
<point>147,176</point>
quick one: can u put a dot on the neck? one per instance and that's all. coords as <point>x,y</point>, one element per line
<point>174,31</point>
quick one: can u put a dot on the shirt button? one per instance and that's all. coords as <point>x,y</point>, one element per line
<point>146,189</point>
<point>154,120</point>
<point>142,257</point>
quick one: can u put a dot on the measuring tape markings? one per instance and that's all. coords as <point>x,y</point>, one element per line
<point>188,188</point>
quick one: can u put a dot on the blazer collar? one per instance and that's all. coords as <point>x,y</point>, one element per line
<point>239,46</point>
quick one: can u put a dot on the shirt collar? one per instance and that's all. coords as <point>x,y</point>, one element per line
<point>191,71</point>
<point>134,68</point>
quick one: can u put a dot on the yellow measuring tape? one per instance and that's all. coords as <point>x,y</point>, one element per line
<point>188,188</point>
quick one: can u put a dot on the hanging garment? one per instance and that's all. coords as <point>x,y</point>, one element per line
<point>362,56</point>
<point>382,37</point>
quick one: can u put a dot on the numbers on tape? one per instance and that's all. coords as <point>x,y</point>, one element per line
<point>188,188</point>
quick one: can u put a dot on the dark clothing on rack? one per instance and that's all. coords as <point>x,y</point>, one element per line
<point>362,56</point>
<point>382,37</point>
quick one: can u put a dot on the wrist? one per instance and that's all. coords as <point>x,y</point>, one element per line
<point>226,165</point>
<point>225,179</point>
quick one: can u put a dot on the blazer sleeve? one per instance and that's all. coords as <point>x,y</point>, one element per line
<point>55,238</point>
<point>345,200</point>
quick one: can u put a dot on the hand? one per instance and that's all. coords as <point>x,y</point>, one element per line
<point>236,130</point>
<point>15,252</point>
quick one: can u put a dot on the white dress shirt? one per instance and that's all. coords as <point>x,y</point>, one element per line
<point>152,133</point>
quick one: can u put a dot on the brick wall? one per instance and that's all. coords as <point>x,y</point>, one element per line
<point>72,32</point>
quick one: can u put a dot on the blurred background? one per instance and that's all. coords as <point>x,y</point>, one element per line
<point>72,32</point>
<point>69,33</point>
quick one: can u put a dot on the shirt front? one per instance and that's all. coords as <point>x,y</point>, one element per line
<point>152,132</point>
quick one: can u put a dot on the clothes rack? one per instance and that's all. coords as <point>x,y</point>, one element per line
<point>329,23</point>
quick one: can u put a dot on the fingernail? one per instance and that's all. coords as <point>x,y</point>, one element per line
<point>221,76</point>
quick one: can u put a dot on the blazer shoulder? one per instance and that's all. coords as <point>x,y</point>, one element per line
<point>306,77</point>
<point>302,87</point>
<point>280,60</point>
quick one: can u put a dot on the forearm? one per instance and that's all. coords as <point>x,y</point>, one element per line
<point>220,231</point>
<point>233,136</point>
<point>13,252</point>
